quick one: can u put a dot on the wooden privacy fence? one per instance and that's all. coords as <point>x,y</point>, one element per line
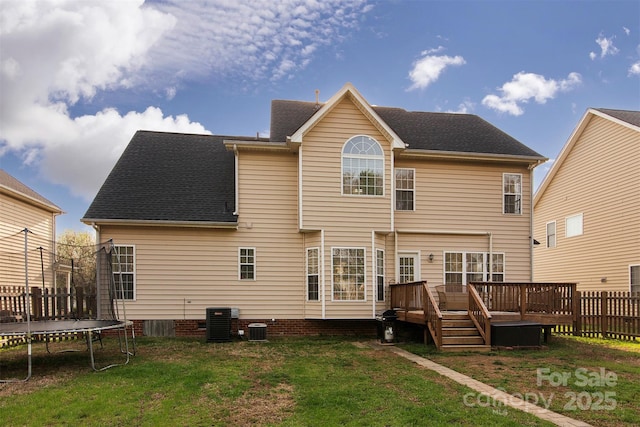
<point>606,314</point>
<point>50,304</point>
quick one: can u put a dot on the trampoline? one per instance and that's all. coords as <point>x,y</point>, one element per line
<point>24,330</point>
<point>47,328</point>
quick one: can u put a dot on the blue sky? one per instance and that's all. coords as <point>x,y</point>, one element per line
<point>78,78</point>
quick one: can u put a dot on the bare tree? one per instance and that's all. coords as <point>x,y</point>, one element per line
<point>75,250</point>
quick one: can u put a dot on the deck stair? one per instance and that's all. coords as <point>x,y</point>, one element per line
<point>460,334</point>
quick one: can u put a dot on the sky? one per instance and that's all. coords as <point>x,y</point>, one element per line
<point>79,78</point>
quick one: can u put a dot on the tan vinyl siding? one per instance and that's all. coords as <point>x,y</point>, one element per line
<point>600,178</point>
<point>15,216</point>
<point>182,271</point>
<point>466,197</point>
<point>323,206</point>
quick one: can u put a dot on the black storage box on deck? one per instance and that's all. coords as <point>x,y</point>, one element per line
<point>516,334</point>
<point>219,324</point>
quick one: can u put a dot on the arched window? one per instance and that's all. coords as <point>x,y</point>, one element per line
<point>362,167</point>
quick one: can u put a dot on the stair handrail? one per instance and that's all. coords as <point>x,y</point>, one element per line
<point>479,314</point>
<point>432,315</point>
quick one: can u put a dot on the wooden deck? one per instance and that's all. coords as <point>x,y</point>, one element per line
<point>548,304</point>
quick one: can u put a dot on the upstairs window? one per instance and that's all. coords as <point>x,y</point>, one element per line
<point>551,234</point>
<point>405,189</point>
<point>512,193</point>
<point>573,226</point>
<point>362,167</point>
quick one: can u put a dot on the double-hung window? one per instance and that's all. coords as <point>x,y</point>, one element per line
<point>247,263</point>
<point>123,264</point>
<point>313,293</point>
<point>634,278</point>
<point>405,189</point>
<point>348,266</point>
<point>362,167</point>
<point>512,193</point>
<point>551,234</point>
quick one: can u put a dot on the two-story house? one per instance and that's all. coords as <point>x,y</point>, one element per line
<point>587,209</point>
<point>305,230</point>
<point>22,208</point>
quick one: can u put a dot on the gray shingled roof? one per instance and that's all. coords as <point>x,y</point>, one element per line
<point>465,133</point>
<point>632,117</point>
<point>169,177</point>
<point>15,186</point>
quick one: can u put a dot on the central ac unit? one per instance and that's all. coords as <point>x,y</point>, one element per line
<point>218,324</point>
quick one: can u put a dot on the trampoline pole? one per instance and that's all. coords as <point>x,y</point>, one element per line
<point>27,302</point>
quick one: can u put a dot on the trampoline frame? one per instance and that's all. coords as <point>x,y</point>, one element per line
<point>88,328</point>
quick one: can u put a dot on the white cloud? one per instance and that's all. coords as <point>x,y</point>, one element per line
<point>257,39</point>
<point>634,69</point>
<point>427,69</point>
<point>626,30</point>
<point>56,54</point>
<point>465,107</point>
<point>526,86</point>
<point>606,47</point>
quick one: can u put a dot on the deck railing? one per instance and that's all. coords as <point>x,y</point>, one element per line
<point>555,302</point>
<point>407,296</point>
<point>432,315</point>
<point>479,315</point>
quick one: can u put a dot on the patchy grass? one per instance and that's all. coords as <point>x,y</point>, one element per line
<point>593,380</point>
<point>284,382</point>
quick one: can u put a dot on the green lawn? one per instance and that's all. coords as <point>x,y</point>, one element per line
<point>593,380</point>
<point>284,382</point>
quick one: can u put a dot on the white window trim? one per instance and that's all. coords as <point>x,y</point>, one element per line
<point>486,272</point>
<point>566,225</point>
<point>504,194</point>
<point>307,273</point>
<point>630,267</point>
<point>364,279</point>
<point>255,264</point>
<point>396,189</point>
<point>416,268</point>
<point>546,230</point>
<point>133,273</point>
<point>361,157</point>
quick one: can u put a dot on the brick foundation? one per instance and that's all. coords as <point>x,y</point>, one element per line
<point>277,327</point>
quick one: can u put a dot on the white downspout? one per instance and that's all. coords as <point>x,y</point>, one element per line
<point>235,160</point>
<point>322,275</point>
<point>374,258</point>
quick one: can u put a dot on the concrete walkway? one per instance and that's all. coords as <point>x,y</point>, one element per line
<point>504,398</point>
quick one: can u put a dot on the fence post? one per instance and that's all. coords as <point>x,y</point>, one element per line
<point>36,303</point>
<point>603,313</point>
<point>577,311</point>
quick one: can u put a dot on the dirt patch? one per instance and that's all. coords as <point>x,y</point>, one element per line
<point>262,406</point>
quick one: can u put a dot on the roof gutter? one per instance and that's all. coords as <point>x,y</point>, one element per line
<point>31,200</point>
<point>463,155</point>
<point>160,223</point>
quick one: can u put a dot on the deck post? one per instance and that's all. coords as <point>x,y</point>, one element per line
<point>523,300</point>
